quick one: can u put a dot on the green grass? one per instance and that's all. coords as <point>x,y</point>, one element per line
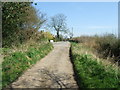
<point>16,63</point>
<point>91,73</point>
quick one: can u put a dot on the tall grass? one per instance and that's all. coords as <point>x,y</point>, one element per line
<point>20,59</point>
<point>106,46</point>
<point>92,73</point>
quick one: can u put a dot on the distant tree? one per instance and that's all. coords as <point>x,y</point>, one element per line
<point>58,23</point>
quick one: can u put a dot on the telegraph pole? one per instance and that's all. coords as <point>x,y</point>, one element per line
<point>72,31</point>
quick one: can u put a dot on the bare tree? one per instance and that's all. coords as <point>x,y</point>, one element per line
<point>58,23</point>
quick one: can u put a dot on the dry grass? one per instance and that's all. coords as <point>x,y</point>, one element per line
<point>106,47</point>
<point>82,49</point>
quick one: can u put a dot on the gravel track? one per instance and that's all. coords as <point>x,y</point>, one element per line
<point>53,71</point>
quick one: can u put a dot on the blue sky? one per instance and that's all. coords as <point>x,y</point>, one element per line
<point>86,18</point>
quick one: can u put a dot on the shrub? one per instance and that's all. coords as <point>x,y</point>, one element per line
<point>109,46</point>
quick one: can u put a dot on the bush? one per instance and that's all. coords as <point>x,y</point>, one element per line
<point>109,46</point>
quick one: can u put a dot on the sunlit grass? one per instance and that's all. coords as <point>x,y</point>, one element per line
<point>17,61</point>
<point>91,71</point>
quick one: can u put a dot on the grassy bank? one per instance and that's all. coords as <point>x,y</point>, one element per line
<point>17,60</point>
<point>91,72</point>
<point>106,46</point>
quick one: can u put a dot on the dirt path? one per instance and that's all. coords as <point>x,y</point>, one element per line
<point>53,71</point>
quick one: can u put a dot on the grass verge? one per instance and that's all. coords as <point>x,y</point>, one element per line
<point>15,63</point>
<point>92,73</point>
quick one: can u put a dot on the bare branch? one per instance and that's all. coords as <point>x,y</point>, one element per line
<point>58,23</point>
